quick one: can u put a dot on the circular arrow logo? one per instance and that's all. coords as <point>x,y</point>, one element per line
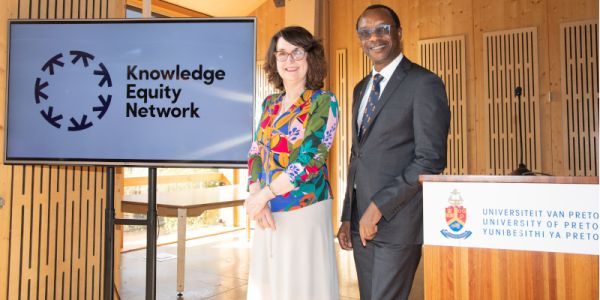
<point>99,102</point>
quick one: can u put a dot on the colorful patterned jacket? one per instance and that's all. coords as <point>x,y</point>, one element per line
<point>296,142</point>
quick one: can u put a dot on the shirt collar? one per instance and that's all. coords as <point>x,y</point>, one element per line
<point>388,70</point>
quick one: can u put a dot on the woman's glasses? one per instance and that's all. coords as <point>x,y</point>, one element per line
<point>379,31</point>
<point>296,54</point>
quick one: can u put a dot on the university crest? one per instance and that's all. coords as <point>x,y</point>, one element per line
<point>456,217</point>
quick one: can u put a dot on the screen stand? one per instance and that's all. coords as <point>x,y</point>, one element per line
<point>149,222</point>
<point>151,237</point>
<point>109,235</point>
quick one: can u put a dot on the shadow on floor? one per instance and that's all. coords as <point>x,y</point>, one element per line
<point>216,268</point>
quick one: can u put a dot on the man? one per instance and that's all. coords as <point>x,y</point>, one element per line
<point>400,128</point>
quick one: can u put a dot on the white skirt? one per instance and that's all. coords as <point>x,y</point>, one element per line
<point>297,260</point>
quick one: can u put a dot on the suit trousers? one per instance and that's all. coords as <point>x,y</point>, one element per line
<point>385,272</point>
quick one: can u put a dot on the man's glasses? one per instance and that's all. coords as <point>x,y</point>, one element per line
<point>379,31</point>
<point>296,54</point>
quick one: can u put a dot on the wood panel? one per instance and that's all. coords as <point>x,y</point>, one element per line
<point>579,77</point>
<point>55,241</point>
<point>510,61</point>
<point>470,273</point>
<point>365,63</point>
<point>344,129</point>
<point>446,58</point>
<point>472,19</point>
<point>269,20</point>
<point>165,8</point>
<point>263,87</point>
<point>490,16</point>
<point>559,12</point>
<point>510,179</point>
<point>338,75</point>
<point>52,217</point>
<point>430,19</point>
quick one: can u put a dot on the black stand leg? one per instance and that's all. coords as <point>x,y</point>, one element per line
<point>151,224</point>
<point>151,237</point>
<point>109,227</point>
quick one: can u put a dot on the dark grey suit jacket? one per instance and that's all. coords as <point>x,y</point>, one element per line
<point>406,138</point>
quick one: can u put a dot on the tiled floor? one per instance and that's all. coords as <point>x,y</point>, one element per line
<point>216,268</point>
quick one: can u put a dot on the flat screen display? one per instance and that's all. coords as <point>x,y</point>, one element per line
<point>131,92</point>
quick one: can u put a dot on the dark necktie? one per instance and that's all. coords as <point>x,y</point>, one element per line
<point>371,104</point>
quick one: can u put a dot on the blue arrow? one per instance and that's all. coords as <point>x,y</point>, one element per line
<point>53,120</point>
<point>38,90</point>
<point>105,75</point>
<point>105,104</point>
<point>49,65</point>
<point>80,125</point>
<point>83,55</point>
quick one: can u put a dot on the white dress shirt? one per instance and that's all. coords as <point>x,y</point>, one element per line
<point>386,72</point>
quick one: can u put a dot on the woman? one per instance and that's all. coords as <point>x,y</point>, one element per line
<point>293,255</point>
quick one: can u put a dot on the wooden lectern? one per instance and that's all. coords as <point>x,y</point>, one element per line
<point>510,237</point>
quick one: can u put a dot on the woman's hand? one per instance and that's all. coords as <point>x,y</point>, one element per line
<point>264,219</point>
<point>256,202</point>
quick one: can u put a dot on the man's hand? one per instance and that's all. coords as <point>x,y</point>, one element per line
<point>368,223</point>
<point>264,219</point>
<point>344,236</point>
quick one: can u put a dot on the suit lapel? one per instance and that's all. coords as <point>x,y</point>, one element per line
<point>390,89</point>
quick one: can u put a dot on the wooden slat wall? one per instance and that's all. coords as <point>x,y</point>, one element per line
<point>55,242</point>
<point>510,275</point>
<point>423,20</point>
<point>263,87</point>
<point>269,20</point>
<point>365,63</point>
<point>344,130</point>
<point>59,9</point>
<point>52,217</point>
<point>472,19</point>
<point>579,76</point>
<point>511,60</point>
<point>446,58</point>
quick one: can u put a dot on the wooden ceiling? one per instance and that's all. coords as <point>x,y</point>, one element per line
<point>220,8</point>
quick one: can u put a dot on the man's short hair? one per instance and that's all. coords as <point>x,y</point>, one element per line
<point>381,6</point>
